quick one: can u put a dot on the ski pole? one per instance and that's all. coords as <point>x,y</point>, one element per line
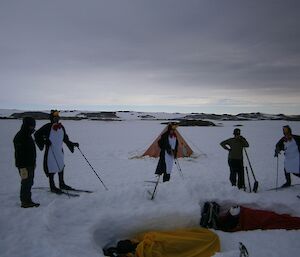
<point>255,186</point>
<point>178,168</point>
<point>248,179</point>
<point>156,184</point>
<point>92,168</point>
<point>277,174</point>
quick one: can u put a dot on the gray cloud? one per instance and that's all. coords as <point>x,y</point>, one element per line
<point>160,45</point>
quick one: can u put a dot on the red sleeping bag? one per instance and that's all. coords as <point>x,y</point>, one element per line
<point>251,219</point>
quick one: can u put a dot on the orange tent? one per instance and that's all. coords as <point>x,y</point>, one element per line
<point>184,150</point>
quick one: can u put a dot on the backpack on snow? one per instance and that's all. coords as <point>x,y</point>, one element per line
<point>209,215</point>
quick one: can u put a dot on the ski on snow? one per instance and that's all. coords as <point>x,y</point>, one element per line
<point>282,188</point>
<point>74,191</point>
<point>63,192</point>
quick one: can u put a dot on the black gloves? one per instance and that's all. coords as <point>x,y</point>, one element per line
<point>76,144</point>
<point>276,153</point>
<point>72,146</point>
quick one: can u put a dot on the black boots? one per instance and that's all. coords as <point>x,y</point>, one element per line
<point>62,184</point>
<point>288,180</point>
<point>29,204</point>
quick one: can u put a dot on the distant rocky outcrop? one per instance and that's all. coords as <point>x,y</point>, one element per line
<point>111,116</point>
<point>192,123</point>
<point>147,117</point>
<point>117,116</point>
<point>35,115</point>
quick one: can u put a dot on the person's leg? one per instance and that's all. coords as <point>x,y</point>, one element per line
<point>241,175</point>
<point>53,188</point>
<point>25,191</point>
<point>26,185</point>
<point>62,184</point>
<point>288,179</point>
<point>232,176</point>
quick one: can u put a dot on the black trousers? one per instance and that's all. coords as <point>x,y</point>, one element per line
<point>236,172</point>
<point>60,179</point>
<point>26,185</point>
<point>288,176</point>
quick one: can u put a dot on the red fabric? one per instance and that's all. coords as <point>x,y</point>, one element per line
<point>56,126</point>
<point>251,219</point>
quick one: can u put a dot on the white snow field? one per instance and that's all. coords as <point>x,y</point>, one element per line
<point>81,226</point>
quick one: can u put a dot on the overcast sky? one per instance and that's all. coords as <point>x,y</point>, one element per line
<point>226,56</point>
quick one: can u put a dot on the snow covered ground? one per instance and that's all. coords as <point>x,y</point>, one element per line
<point>77,227</point>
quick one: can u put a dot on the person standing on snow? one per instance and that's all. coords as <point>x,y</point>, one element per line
<point>290,144</point>
<point>168,144</point>
<point>25,157</point>
<point>235,147</point>
<point>53,135</point>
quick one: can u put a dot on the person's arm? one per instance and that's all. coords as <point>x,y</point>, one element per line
<point>69,143</point>
<point>279,147</point>
<point>226,144</point>
<point>41,136</point>
<point>244,141</point>
<point>19,151</point>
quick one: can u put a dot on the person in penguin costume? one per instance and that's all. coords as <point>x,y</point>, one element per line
<point>168,144</point>
<point>52,136</point>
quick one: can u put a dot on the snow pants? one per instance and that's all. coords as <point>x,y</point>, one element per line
<point>26,185</point>
<point>236,172</point>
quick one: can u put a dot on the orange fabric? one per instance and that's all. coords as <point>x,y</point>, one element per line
<point>184,150</point>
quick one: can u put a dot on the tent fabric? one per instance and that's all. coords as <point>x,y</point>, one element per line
<point>194,242</point>
<point>184,150</point>
<point>252,219</point>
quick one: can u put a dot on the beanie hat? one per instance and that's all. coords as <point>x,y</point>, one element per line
<point>28,122</point>
<point>236,132</point>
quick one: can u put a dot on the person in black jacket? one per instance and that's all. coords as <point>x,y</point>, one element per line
<point>168,144</point>
<point>25,160</point>
<point>52,136</point>
<point>290,144</point>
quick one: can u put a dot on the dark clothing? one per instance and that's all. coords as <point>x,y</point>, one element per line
<point>25,150</point>
<point>25,158</point>
<point>42,140</point>
<point>26,185</point>
<point>236,171</point>
<point>235,147</point>
<point>164,145</point>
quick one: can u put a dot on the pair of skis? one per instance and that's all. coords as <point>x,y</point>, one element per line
<point>73,192</point>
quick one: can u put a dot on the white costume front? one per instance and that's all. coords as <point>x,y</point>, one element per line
<point>292,157</point>
<point>169,158</point>
<point>55,158</point>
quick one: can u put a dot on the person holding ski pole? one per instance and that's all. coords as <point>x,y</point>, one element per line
<point>235,146</point>
<point>52,135</point>
<point>168,144</point>
<point>25,157</point>
<point>290,144</point>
